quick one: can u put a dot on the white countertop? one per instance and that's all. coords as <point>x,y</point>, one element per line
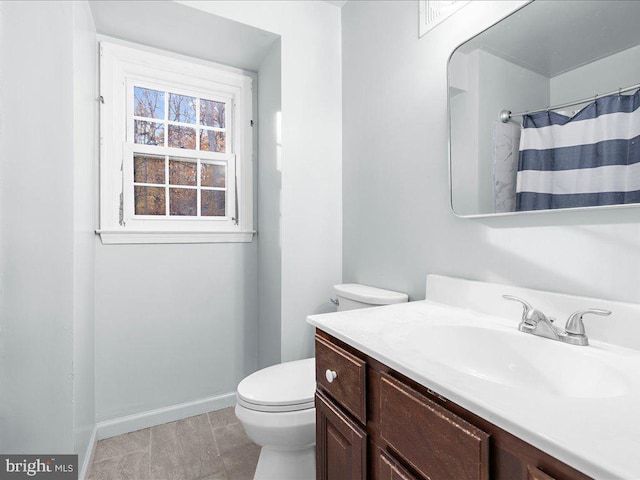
<point>589,421</point>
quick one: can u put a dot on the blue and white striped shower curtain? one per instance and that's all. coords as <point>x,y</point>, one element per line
<point>592,158</point>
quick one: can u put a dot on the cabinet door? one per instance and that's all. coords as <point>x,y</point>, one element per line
<point>341,445</point>
<point>390,469</point>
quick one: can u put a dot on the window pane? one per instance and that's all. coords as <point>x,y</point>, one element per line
<point>148,133</point>
<point>183,201</point>
<point>148,103</point>
<point>212,141</point>
<point>182,137</point>
<point>149,200</point>
<point>213,203</point>
<point>147,169</point>
<point>182,173</point>
<point>213,175</point>
<point>182,108</point>
<point>211,113</point>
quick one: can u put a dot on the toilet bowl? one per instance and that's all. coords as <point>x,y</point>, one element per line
<point>276,408</point>
<point>276,404</point>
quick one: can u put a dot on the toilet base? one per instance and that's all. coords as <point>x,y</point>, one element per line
<point>286,464</point>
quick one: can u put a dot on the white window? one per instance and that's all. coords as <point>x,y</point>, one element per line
<point>176,149</point>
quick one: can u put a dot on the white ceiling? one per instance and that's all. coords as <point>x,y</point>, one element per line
<point>185,30</point>
<point>553,37</point>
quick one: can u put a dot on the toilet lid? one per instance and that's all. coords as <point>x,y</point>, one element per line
<point>285,387</point>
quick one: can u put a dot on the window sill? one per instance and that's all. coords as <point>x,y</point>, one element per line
<point>116,237</point>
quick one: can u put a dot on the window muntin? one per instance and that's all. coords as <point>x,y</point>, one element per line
<point>170,118</point>
<point>167,186</point>
<point>188,185</point>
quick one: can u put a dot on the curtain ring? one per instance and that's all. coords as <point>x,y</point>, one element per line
<point>620,91</point>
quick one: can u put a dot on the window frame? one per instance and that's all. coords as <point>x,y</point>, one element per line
<point>122,67</point>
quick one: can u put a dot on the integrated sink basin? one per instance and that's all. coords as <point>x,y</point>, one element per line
<point>575,402</point>
<point>509,357</point>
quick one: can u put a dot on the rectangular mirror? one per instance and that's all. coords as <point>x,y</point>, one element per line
<point>544,110</point>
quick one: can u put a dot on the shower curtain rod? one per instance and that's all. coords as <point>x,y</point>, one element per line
<point>505,115</point>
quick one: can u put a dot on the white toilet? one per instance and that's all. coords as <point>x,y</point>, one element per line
<point>276,404</point>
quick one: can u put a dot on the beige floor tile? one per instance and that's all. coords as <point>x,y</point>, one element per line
<point>219,476</point>
<point>222,418</point>
<point>188,449</point>
<point>230,438</point>
<point>134,466</point>
<point>240,464</point>
<point>185,450</point>
<point>122,445</point>
<point>239,453</point>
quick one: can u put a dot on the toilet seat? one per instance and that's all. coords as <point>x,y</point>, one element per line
<point>286,387</point>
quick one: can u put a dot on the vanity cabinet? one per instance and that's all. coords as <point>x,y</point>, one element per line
<point>374,423</point>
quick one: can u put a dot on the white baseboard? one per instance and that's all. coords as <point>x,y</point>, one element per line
<point>88,456</point>
<point>150,418</point>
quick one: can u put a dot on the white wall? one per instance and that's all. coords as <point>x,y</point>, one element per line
<point>268,173</point>
<point>177,323</point>
<point>617,71</point>
<point>37,227</point>
<point>85,157</point>
<point>463,105</point>
<point>47,100</point>
<point>174,323</point>
<point>493,84</point>
<point>311,155</point>
<point>397,222</point>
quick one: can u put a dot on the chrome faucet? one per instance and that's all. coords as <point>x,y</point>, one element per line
<point>535,322</point>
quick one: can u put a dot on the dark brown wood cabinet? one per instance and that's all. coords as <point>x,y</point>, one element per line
<point>437,443</point>
<point>391,469</point>
<point>348,386</point>
<point>341,444</point>
<point>374,423</point>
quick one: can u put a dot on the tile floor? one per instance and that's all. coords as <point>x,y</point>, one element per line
<point>205,447</point>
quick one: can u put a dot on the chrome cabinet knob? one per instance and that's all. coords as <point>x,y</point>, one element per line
<point>331,375</point>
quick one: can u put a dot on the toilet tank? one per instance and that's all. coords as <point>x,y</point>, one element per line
<point>353,295</point>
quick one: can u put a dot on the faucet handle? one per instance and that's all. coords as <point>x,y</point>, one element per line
<point>574,324</point>
<point>526,308</point>
<point>524,303</point>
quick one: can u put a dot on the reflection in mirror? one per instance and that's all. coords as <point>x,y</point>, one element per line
<point>532,126</point>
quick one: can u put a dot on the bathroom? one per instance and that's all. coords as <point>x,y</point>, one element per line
<point>101,339</point>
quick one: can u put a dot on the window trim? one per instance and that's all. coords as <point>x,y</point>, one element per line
<point>119,65</point>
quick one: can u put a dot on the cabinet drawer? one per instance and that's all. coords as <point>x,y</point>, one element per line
<point>437,443</point>
<point>348,387</point>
